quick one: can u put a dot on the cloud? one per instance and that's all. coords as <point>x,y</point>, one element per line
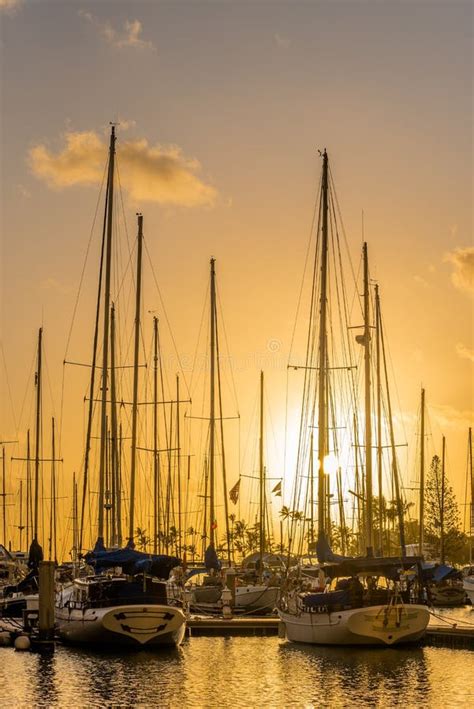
<point>282,42</point>
<point>448,417</point>
<point>126,124</point>
<point>464,352</point>
<point>128,37</point>
<point>463,262</point>
<point>149,173</point>
<point>10,6</point>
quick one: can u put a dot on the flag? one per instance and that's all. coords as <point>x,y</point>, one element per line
<point>214,525</point>
<point>234,493</point>
<point>277,489</point>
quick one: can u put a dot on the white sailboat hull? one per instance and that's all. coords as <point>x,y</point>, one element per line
<point>468,585</point>
<point>146,625</point>
<point>376,625</point>
<point>256,598</point>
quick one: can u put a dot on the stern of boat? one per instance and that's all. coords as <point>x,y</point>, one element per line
<point>146,624</point>
<point>395,623</point>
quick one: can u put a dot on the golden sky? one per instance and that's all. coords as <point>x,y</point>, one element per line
<point>222,107</point>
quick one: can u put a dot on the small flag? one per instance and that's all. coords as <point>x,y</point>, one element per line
<point>214,525</point>
<point>277,489</point>
<point>234,493</point>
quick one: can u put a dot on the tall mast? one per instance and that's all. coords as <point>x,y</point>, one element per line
<point>368,419</point>
<point>311,483</point>
<point>114,437</point>
<point>178,482</point>
<point>395,475</point>
<point>422,473</point>
<point>379,419</point>
<point>471,508</point>
<point>262,481</point>
<point>74,523</point>
<point>359,488</point>
<point>206,481</point>
<point>4,495</point>
<point>212,417</point>
<point>135,380</point>
<point>221,421</point>
<point>322,376</point>
<point>105,353</point>
<point>37,433</point>
<point>156,478</point>
<point>119,487</point>
<point>52,514</point>
<point>21,526</point>
<point>443,491</point>
<point>29,502</point>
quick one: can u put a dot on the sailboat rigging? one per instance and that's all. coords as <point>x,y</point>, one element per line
<point>349,612</point>
<point>131,607</point>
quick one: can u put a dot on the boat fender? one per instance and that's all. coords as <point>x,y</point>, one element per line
<point>22,643</point>
<point>5,639</point>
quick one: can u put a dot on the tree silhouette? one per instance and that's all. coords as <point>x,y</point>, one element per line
<point>442,519</point>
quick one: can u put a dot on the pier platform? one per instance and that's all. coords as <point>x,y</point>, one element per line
<point>207,625</point>
<point>459,637</point>
<point>442,636</point>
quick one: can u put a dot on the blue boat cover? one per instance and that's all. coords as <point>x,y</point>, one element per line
<point>210,559</point>
<point>324,552</point>
<point>133,562</point>
<point>438,572</point>
<point>330,598</point>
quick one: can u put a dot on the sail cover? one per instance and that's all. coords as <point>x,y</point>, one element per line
<point>133,562</point>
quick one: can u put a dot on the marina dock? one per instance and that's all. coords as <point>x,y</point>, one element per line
<point>460,636</point>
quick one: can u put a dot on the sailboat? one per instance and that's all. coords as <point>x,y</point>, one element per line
<point>125,602</point>
<point>18,597</point>
<point>208,596</point>
<point>349,605</point>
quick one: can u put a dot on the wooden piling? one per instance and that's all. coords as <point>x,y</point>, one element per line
<point>46,603</point>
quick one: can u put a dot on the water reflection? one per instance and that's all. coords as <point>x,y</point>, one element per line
<point>240,672</point>
<point>368,675</point>
<point>45,677</point>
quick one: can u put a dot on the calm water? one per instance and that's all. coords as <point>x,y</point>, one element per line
<point>241,672</point>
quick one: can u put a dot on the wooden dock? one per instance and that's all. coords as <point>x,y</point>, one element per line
<point>445,636</point>
<point>211,625</point>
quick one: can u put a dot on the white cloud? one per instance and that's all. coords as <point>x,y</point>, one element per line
<point>126,124</point>
<point>127,37</point>
<point>448,417</point>
<point>463,262</point>
<point>282,42</point>
<point>149,173</point>
<point>464,352</point>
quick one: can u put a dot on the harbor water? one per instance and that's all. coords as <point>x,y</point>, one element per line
<point>240,672</point>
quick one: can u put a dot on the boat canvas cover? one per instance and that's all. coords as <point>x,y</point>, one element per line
<point>133,562</point>
<point>330,598</point>
<point>438,572</point>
